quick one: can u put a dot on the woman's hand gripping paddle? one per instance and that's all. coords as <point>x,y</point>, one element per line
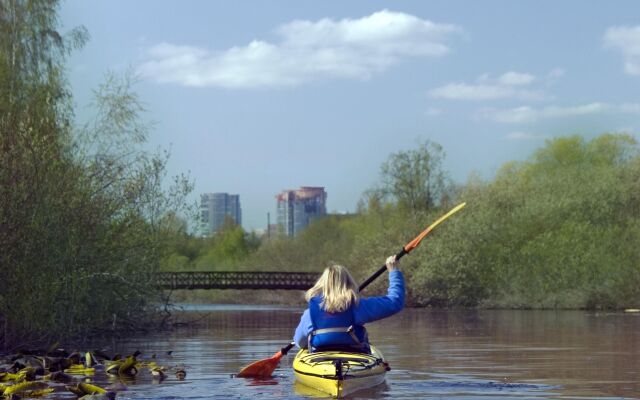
<point>264,368</point>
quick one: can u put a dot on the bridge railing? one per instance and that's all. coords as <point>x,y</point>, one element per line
<point>236,280</point>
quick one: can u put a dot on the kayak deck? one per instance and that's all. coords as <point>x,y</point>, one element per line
<point>338,373</point>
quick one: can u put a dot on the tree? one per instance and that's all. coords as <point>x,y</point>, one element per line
<point>82,212</point>
<point>35,128</point>
<point>415,178</point>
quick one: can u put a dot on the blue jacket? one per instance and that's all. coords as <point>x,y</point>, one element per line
<point>369,309</point>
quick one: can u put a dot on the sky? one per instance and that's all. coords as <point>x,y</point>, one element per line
<point>255,97</point>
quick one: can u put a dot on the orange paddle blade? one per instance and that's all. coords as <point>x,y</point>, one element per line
<point>415,242</point>
<point>261,369</point>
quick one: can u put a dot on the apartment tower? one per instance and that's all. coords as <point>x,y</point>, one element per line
<point>215,207</point>
<point>297,208</point>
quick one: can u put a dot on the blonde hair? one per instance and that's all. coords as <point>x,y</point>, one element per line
<point>337,288</point>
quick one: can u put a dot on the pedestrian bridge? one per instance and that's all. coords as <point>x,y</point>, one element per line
<point>236,280</point>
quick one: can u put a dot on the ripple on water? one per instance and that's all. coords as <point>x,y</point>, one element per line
<point>540,355</point>
<point>463,387</point>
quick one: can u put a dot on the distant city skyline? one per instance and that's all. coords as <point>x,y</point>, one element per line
<point>215,208</point>
<point>298,208</point>
<point>321,93</point>
<point>295,209</point>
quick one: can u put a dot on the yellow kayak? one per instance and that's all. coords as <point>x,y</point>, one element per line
<point>338,373</point>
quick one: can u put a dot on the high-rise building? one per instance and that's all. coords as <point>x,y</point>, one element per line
<point>297,208</point>
<point>215,207</point>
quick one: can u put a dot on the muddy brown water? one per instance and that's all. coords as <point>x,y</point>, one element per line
<point>453,354</point>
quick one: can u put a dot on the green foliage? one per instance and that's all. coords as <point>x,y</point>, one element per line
<point>414,179</point>
<point>229,249</point>
<point>86,217</point>
<point>82,211</point>
<point>324,241</point>
<point>560,230</point>
<point>552,232</point>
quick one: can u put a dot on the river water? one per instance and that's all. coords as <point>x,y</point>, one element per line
<point>454,354</point>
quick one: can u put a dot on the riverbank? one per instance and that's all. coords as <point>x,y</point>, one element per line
<point>245,297</point>
<point>296,299</point>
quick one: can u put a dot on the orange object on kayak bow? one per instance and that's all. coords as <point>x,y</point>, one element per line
<point>264,368</point>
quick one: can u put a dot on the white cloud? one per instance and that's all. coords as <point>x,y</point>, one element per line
<point>631,108</point>
<point>512,78</point>
<point>463,91</point>
<point>510,116</point>
<point>627,40</point>
<point>518,135</point>
<point>508,85</point>
<point>307,51</point>
<point>527,114</point>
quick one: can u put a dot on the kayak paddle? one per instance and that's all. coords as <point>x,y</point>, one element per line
<point>411,245</point>
<point>264,368</point>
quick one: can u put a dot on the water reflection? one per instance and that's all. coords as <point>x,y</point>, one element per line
<point>371,393</point>
<point>433,354</point>
<point>588,354</point>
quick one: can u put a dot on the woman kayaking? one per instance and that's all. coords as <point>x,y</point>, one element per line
<point>335,322</point>
<point>336,315</point>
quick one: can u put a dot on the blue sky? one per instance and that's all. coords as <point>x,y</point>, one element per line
<point>253,97</point>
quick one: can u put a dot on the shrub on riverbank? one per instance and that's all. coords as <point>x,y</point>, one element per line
<point>82,210</point>
<point>560,230</point>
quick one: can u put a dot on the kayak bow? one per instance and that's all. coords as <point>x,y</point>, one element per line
<point>339,373</point>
